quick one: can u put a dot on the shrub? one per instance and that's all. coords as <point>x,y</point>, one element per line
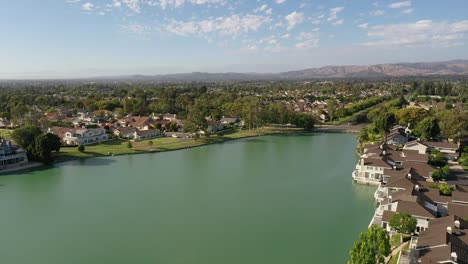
<point>150,143</point>
<point>81,148</point>
<point>445,189</point>
<point>129,144</point>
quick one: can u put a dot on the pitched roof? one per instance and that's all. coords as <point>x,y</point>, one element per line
<point>420,169</point>
<point>377,162</point>
<point>458,196</point>
<point>414,208</point>
<point>460,210</point>
<point>440,144</point>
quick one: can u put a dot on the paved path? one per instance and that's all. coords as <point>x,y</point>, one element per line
<point>395,252</point>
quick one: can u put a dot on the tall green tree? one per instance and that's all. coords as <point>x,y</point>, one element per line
<point>428,128</point>
<point>332,107</point>
<point>41,149</point>
<point>371,248</point>
<point>403,222</point>
<point>384,122</point>
<point>25,136</point>
<point>453,124</point>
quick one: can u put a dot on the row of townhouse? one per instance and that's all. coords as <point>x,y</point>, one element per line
<point>441,219</point>
<point>404,180</point>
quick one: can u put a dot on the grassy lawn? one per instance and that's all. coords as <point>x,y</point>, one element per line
<point>119,147</point>
<point>5,133</point>
<point>395,240</point>
<point>394,259</point>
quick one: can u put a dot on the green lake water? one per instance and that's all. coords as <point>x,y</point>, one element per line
<point>264,200</point>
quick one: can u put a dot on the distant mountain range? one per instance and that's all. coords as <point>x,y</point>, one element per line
<point>454,67</point>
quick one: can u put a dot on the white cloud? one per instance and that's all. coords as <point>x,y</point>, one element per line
<point>72,1</point>
<point>338,22</point>
<point>269,11</point>
<point>363,25</point>
<point>408,11</point>
<point>203,2</point>
<point>233,25</point>
<point>420,33</point>
<point>88,6</point>
<point>400,4</point>
<point>280,1</point>
<point>116,3</point>
<point>138,29</point>
<point>308,40</point>
<point>134,5</point>
<point>377,13</point>
<point>294,19</point>
<point>261,8</point>
<point>334,12</point>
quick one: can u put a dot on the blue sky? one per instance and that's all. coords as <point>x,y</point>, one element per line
<point>78,38</point>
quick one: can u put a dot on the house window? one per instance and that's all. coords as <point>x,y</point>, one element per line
<point>366,175</point>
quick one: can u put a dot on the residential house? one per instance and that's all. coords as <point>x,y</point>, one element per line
<point>138,122</point>
<point>379,159</point>
<point>214,126</point>
<point>11,156</point>
<point>5,123</point>
<point>397,136</point>
<point>146,134</point>
<point>229,120</point>
<point>79,136</point>
<point>415,145</point>
<point>444,241</point>
<point>125,132</point>
<point>450,150</point>
<point>170,117</point>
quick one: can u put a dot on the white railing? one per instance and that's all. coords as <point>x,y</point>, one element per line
<point>14,156</point>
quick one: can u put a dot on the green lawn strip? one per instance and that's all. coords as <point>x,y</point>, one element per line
<point>395,241</point>
<point>5,133</point>
<point>119,147</point>
<point>394,259</point>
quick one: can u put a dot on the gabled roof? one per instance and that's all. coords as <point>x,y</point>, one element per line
<point>414,209</point>
<point>420,169</point>
<point>440,144</point>
<point>457,209</point>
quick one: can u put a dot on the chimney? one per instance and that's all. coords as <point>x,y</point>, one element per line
<point>403,154</point>
<point>416,188</point>
<point>457,224</point>
<point>384,153</point>
<point>408,176</point>
<point>390,199</point>
<point>453,256</point>
<point>449,230</point>
<point>362,161</point>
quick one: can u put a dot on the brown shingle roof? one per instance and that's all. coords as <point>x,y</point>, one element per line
<point>420,169</point>
<point>460,210</point>
<point>376,162</point>
<point>414,208</point>
<point>460,197</point>
<point>440,144</point>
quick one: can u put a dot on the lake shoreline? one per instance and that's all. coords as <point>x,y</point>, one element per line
<point>215,139</point>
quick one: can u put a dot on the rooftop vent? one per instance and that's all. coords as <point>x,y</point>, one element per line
<point>453,256</point>
<point>416,188</point>
<point>457,224</point>
<point>449,229</point>
<point>408,176</point>
<point>384,153</point>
